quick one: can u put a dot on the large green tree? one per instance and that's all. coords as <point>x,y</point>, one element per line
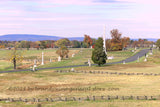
<point>158,43</point>
<point>98,54</point>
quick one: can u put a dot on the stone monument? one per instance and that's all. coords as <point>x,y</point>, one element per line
<point>42,59</point>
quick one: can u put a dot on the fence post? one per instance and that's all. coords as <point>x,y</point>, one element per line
<point>108,97</point>
<point>34,100</point>
<point>46,99</point>
<point>25,100</point>
<point>146,98</point>
<point>137,97</point>
<point>131,97</point>
<point>88,98</point>
<point>20,99</point>
<point>51,99</point>
<point>38,100</point>
<point>65,98</point>
<point>122,97</point>
<point>74,98</point>
<point>117,97</point>
<point>102,97</point>
<point>94,98</point>
<point>151,97</point>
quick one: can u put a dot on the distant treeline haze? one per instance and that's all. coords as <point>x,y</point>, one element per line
<point>114,44</point>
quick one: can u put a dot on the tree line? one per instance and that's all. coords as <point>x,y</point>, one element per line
<point>117,42</point>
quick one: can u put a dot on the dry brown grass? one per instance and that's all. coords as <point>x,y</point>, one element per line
<point>128,85</point>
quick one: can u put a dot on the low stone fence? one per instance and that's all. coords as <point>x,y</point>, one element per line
<point>105,72</point>
<point>87,98</point>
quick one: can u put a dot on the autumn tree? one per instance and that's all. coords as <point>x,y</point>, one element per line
<point>125,41</point>
<point>98,54</point>
<point>116,35</point>
<point>116,43</point>
<point>16,56</point>
<point>62,51</point>
<point>88,40</point>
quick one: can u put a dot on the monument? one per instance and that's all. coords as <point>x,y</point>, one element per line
<point>42,59</point>
<point>104,40</point>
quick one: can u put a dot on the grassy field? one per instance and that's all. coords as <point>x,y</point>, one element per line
<point>136,85</point>
<point>127,85</point>
<point>79,59</point>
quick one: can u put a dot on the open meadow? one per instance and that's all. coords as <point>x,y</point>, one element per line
<point>52,84</point>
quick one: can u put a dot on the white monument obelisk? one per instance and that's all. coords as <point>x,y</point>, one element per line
<point>42,59</point>
<point>104,40</point>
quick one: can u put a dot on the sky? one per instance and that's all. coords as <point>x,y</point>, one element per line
<point>74,18</point>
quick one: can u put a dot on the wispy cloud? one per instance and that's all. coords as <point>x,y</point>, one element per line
<point>78,17</point>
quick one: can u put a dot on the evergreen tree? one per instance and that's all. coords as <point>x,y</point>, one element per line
<point>98,54</point>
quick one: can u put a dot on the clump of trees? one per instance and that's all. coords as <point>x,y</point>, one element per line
<point>63,50</point>
<point>117,42</point>
<point>98,54</point>
<point>87,40</point>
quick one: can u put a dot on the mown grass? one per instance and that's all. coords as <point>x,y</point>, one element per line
<point>111,103</point>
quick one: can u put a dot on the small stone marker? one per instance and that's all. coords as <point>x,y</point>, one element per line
<point>110,57</point>
<point>72,69</point>
<point>59,59</point>
<point>132,50</point>
<point>35,63</point>
<point>89,62</point>
<point>124,62</point>
<point>33,68</point>
<point>138,59</point>
<point>135,48</point>
<point>73,55</point>
<point>145,60</point>
<point>50,60</point>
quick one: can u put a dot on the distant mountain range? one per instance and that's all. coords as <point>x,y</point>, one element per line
<point>31,37</point>
<point>149,39</point>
